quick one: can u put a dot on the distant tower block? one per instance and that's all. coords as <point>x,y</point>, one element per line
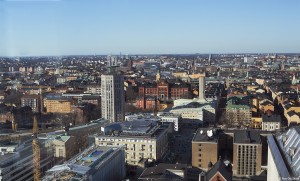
<point>202,86</point>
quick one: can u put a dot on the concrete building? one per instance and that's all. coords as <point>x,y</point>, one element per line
<point>32,101</point>
<point>95,163</point>
<point>202,86</point>
<point>64,146</point>
<point>247,151</point>
<point>16,161</point>
<point>93,89</point>
<point>65,142</point>
<point>195,111</point>
<point>175,119</point>
<point>143,140</point>
<point>199,110</point>
<point>112,97</point>
<point>283,156</point>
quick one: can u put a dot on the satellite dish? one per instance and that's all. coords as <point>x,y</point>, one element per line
<point>209,133</point>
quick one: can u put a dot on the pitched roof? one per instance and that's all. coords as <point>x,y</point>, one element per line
<point>220,167</point>
<point>271,118</point>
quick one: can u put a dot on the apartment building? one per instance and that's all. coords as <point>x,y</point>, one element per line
<point>142,140</point>
<point>32,101</point>
<point>55,103</point>
<point>271,122</point>
<point>238,110</point>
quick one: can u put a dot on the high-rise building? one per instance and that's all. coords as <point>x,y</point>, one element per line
<point>202,86</point>
<point>112,97</point>
<point>111,61</point>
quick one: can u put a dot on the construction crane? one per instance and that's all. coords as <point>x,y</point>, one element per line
<point>36,151</point>
<point>14,126</point>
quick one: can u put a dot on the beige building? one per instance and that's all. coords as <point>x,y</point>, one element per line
<point>293,117</point>
<point>204,150</point>
<point>271,122</point>
<point>65,147</point>
<point>256,122</point>
<point>142,139</point>
<point>55,103</point>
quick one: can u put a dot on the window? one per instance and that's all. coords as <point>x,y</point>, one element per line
<point>60,152</point>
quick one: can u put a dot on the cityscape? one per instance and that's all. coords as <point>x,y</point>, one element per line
<point>181,107</point>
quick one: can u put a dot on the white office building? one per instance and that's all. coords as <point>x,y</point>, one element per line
<point>175,119</point>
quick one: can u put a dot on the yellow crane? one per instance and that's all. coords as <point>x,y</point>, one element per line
<point>13,123</point>
<point>36,151</point>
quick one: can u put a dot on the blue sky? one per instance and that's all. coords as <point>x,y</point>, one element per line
<point>64,27</point>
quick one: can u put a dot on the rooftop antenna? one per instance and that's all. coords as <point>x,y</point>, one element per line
<point>209,133</point>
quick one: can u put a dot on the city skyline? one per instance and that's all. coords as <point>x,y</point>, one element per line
<point>36,28</point>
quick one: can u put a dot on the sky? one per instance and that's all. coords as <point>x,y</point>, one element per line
<point>85,27</point>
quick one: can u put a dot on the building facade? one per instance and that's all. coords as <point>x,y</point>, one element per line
<point>247,151</point>
<point>32,101</point>
<point>17,163</point>
<point>112,97</point>
<point>55,103</point>
<point>271,122</point>
<point>142,140</point>
<point>205,149</point>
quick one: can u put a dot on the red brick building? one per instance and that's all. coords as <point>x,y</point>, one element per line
<point>144,103</point>
<point>165,91</point>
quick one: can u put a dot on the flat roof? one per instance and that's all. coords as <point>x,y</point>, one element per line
<point>247,137</point>
<point>201,136</point>
<point>93,155</point>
